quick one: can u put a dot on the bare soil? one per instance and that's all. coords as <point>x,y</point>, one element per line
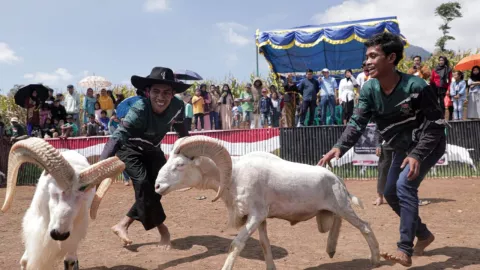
<point>200,241</point>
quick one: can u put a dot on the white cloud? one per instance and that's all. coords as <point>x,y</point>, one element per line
<point>233,33</point>
<point>418,22</point>
<point>155,5</point>
<point>7,55</point>
<point>55,78</point>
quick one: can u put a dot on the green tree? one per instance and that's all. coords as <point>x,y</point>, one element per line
<point>448,12</point>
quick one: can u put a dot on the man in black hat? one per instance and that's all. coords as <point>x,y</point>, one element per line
<point>137,143</point>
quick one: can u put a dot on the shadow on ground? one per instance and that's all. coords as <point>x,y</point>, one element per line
<point>215,246</point>
<point>118,267</point>
<point>460,257</point>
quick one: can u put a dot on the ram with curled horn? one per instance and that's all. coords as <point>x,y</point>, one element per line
<point>260,185</point>
<point>66,192</point>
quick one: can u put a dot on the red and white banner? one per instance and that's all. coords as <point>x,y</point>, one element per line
<point>237,142</point>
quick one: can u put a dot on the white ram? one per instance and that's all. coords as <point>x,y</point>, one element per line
<point>57,219</point>
<point>260,185</point>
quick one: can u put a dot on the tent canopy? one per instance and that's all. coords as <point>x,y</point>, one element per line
<point>336,46</point>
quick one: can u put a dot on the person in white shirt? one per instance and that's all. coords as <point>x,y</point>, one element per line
<point>72,104</point>
<point>363,77</point>
<point>346,95</point>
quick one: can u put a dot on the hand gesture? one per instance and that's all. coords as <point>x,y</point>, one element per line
<point>378,151</point>
<point>334,153</point>
<point>414,167</point>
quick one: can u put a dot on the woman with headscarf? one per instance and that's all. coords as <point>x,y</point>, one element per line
<point>206,107</point>
<point>32,104</point>
<point>89,101</point>
<point>346,94</point>
<point>226,105</point>
<point>473,107</point>
<point>290,101</point>
<point>441,79</point>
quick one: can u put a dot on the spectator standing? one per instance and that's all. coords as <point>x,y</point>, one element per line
<point>198,102</point>
<point>328,92</point>
<point>346,95</point>
<point>256,92</point>
<point>214,108</point>
<point>32,104</point>
<point>363,77</point>
<point>106,102</point>
<point>458,94</point>
<point>266,109</point>
<point>188,113</point>
<point>44,113</point>
<point>473,106</point>
<point>104,119</point>
<point>72,104</point>
<point>247,99</point>
<point>237,113</point>
<point>207,100</point>
<point>92,127</point>
<point>98,111</point>
<point>309,88</point>
<point>113,123</point>
<point>226,104</point>
<point>277,110</point>
<point>418,69</point>
<point>291,100</point>
<point>441,79</point>
<point>51,98</point>
<point>89,101</point>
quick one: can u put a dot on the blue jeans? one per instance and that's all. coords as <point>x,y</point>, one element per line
<point>214,120</point>
<point>266,119</point>
<point>327,101</point>
<point>402,196</point>
<point>125,176</point>
<point>458,108</point>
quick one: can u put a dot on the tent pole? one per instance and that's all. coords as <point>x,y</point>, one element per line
<point>256,53</point>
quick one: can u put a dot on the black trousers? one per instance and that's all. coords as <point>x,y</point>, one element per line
<point>188,123</point>
<point>143,166</point>
<point>308,105</point>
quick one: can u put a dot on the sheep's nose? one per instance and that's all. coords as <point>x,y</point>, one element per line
<point>56,235</point>
<point>157,186</point>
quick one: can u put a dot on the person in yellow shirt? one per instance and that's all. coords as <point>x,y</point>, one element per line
<point>198,103</point>
<point>106,102</point>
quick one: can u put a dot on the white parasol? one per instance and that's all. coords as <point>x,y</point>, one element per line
<point>94,82</point>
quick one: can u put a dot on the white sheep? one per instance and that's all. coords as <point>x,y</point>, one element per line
<point>260,185</point>
<point>57,219</point>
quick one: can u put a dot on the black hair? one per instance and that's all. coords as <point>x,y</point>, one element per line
<point>91,116</point>
<point>417,56</point>
<point>309,70</point>
<point>103,111</point>
<point>389,43</point>
<point>460,74</point>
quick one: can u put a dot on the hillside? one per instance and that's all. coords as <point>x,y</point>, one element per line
<point>413,50</point>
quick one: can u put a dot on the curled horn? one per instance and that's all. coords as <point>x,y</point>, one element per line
<point>205,146</point>
<point>41,153</point>
<point>101,190</point>
<point>96,173</point>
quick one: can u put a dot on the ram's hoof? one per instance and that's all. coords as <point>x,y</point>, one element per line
<point>331,254</point>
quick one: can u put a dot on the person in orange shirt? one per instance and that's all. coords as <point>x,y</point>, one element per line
<point>198,103</point>
<point>106,102</point>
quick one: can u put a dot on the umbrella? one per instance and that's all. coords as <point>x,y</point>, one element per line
<point>468,62</point>
<point>26,91</point>
<point>124,106</point>
<point>188,75</point>
<point>94,82</point>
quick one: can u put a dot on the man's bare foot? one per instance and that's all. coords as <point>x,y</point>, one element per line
<point>420,246</point>
<point>398,257</point>
<point>378,201</point>
<point>121,232</point>
<point>165,243</point>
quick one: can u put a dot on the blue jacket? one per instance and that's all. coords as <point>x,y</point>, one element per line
<point>266,105</point>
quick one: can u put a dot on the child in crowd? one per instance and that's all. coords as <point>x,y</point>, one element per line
<point>44,113</point>
<point>198,103</point>
<point>92,127</point>
<point>237,113</point>
<point>69,129</point>
<point>104,122</point>
<point>266,109</point>
<point>98,111</point>
<point>48,129</point>
<point>277,110</point>
<point>188,113</point>
<point>113,124</point>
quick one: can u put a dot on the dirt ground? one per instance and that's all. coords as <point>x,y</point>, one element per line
<point>200,242</point>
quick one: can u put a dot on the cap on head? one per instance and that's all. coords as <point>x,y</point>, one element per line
<point>14,120</point>
<point>248,85</point>
<point>325,70</point>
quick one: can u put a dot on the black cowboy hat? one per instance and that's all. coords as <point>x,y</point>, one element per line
<point>159,75</point>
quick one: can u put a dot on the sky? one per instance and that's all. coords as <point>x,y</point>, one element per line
<point>59,42</point>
